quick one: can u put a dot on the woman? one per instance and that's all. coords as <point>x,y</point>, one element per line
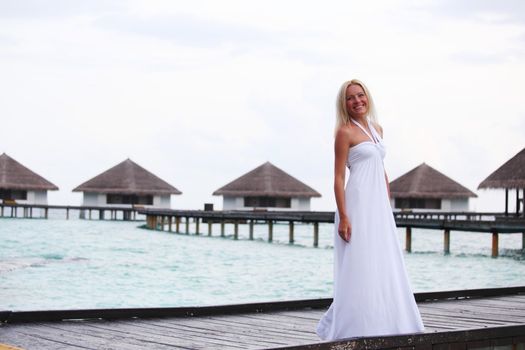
<point>372,294</point>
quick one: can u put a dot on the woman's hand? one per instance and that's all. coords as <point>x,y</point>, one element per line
<point>344,229</point>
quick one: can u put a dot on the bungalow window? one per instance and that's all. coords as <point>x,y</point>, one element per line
<point>418,203</point>
<point>268,202</point>
<point>7,194</point>
<point>113,198</point>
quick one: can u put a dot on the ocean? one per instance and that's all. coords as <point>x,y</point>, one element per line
<point>81,264</point>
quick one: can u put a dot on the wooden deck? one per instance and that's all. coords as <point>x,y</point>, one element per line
<point>484,319</point>
<point>493,223</point>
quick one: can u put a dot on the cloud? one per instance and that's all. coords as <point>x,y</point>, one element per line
<point>191,30</point>
<point>31,9</point>
<point>489,11</point>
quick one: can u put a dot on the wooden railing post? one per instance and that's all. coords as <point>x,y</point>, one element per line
<point>251,229</point>
<point>446,241</point>
<point>408,239</point>
<point>316,234</point>
<point>495,244</point>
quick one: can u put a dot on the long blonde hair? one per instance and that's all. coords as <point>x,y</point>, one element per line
<point>342,117</point>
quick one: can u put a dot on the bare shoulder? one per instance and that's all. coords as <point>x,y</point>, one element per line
<point>343,132</point>
<point>378,127</point>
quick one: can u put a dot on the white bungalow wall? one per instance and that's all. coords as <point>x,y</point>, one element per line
<point>34,197</point>
<point>455,204</point>
<point>163,201</point>
<point>93,199</point>
<point>237,203</point>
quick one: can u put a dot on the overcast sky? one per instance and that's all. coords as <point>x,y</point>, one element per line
<point>200,92</point>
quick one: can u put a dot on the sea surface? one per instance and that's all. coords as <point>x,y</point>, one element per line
<point>79,264</point>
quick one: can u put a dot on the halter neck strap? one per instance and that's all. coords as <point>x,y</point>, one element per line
<point>373,139</point>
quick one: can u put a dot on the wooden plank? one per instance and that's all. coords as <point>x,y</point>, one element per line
<point>64,338</point>
<point>202,329</point>
<point>208,323</point>
<point>473,312</point>
<point>465,310</point>
<point>28,341</point>
<point>137,333</point>
<point>291,330</point>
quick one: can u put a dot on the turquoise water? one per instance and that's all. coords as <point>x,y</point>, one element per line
<point>74,264</point>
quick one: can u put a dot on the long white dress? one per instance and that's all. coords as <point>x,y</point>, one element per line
<point>372,293</point>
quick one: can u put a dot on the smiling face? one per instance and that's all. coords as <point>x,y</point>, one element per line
<point>356,101</point>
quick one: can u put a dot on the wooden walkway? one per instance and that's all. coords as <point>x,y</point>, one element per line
<point>85,212</point>
<point>493,223</point>
<point>468,319</point>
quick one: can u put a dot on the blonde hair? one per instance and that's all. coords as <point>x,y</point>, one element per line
<point>342,116</point>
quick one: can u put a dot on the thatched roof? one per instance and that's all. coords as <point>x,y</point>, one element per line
<point>509,175</point>
<point>127,178</point>
<point>267,180</point>
<point>15,176</point>
<point>426,182</point>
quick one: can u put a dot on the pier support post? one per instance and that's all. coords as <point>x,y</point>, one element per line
<point>236,230</point>
<point>187,225</point>
<point>177,224</point>
<point>149,222</point>
<point>46,213</point>
<point>251,230</point>
<point>101,214</point>
<point>270,230</point>
<point>523,241</point>
<point>197,221</point>
<point>2,211</point>
<point>67,214</point>
<point>495,244</point>
<point>170,222</point>
<point>290,232</point>
<point>162,222</point>
<point>222,228</point>
<point>316,234</point>
<point>408,239</point>
<point>210,223</point>
<point>446,245</point>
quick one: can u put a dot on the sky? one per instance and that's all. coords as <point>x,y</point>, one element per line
<point>201,92</point>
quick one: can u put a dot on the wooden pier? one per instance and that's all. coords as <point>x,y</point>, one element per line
<point>14,210</point>
<point>489,319</point>
<point>493,223</point>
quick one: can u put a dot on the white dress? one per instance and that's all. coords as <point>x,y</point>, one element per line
<point>372,293</point>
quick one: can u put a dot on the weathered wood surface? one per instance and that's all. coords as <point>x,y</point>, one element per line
<point>468,322</point>
<point>456,221</point>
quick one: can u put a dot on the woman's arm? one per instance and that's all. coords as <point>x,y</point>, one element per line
<point>341,146</point>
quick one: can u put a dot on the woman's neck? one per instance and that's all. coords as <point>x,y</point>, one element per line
<point>360,119</point>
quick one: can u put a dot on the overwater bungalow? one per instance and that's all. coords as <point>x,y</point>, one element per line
<point>266,187</point>
<point>509,176</point>
<point>127,183</point>
<point>21,185</point>
<point>426,188</point>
